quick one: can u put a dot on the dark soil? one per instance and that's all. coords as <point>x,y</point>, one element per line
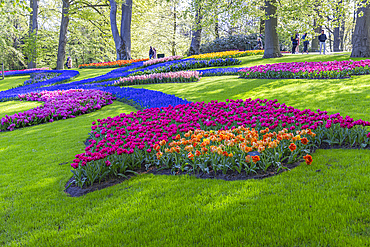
<point>73,190</point>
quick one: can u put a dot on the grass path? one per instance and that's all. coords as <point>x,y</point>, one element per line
<point>326,204</point>
<point>12,107</point>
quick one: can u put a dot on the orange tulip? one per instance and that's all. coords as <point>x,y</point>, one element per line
<point>304,141</point>
<point>292,147</point>
<point>308,159</point>
<point>255,159</point>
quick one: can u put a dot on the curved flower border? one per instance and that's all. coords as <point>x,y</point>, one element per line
<point>58,105</point>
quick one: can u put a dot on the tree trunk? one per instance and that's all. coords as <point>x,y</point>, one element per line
<point>336,32</point>
<point>33,27</point>
<point>196,35</point>
<point>122,42</point>
<point>272,48</point>
<point>262,22</point>
<point>336,39</point>
<point>174,32</point>
<point>341,34</point>
<point>63,35</point>
<point>315,40</point>
<point>126,29</point>
<point>217,28</point>
<point>361,36</point>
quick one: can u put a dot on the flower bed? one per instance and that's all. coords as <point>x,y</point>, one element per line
<point>125,142</point>
<point>40,77</point>
<point>58,105</point>
<point>161,60</point>
<point>181,76</point>
<point>190,64</point>
<point>113,64</point>
<point>227,54</point>
<point>21,72</point>
<point>309,70</point>
<point>219,72</point>
<point>65,75</point>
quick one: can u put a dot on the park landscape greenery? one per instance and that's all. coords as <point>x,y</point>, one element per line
<point>300,122</point>
<point>325,203</point>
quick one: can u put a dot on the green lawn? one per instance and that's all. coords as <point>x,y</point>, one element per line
<point>325,204</point>
<point>90,73</point>
<point>10,82</point>
<point>12,107</point>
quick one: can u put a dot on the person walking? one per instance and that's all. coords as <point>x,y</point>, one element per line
<point>151,53</point>
<point>294,43</point>
<point>259,44</point>
<point>305,43</point>
<point>154,53</point>
<point>322,39</point>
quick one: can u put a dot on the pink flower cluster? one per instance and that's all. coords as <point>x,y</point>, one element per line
<point>296,67</point>
<point>180,76</point>
<point>139,132</point>
<point>162,60</point>
<point>58,105</point>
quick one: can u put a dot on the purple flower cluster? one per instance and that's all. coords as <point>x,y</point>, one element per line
<point>40,77</point>
<point>309,70</point>
<point>58,105</point>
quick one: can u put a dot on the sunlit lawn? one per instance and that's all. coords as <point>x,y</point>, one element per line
<point>326,204</point>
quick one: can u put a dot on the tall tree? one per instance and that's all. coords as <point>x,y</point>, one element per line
<point>341,34</point>
<point>33,27</point>
<point>217,27</point>
<point>122,41</point>
<point>336,32</point>
<point>173,48</point>
<point>197,31</point>
<point>361,35</point>
<point>63,34</point>
<point>272,48</point>
<point>315,41</point>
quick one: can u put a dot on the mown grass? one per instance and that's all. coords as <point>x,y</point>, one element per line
<point>90,73</point>
<point>12,107</point>
<point>10,82</point>
<point>326,204</point>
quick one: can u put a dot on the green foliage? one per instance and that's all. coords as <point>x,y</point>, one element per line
<point>236,42</point>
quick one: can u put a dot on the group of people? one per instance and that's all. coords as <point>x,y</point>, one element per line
<point>295,43</point>
<point>152,53</point>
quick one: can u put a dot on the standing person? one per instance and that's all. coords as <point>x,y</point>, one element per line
<point>154,53</point>
<point>297,48</point>
<point>305,43</point>
<point>294,43</point>
<point>322,39</point>
<point>151,53</point>
<point>68,62</point>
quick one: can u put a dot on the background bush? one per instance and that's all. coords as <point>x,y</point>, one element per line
<point>240,42</point>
